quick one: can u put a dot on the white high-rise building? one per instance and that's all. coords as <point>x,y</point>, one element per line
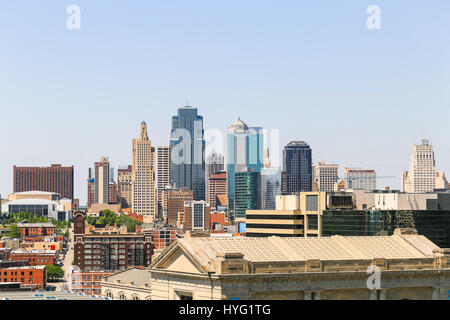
<point>143,177</point>
<point>325,176</point>
<point>422,175</point>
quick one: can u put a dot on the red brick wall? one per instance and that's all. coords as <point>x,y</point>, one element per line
<point>24,276</point>
<point>34,259</point>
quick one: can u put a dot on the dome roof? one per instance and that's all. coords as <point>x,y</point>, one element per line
<point>239,124</point>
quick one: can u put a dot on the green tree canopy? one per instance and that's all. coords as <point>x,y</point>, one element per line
<point>14,231</point>
<point>54,273</point>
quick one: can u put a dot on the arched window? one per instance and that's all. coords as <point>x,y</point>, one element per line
<point>122,296</point>
<point>135,297</point>
<point>109,294</point>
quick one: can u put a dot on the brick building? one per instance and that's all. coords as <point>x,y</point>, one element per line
<point>173,202</point>
<point>53,179</point>
<point>218,221</point>
<point>162,238</point>
<point>109,250</point>
<point>217,186</point>
<point>88,282</point>
<point>197,215</point>
<point>32,230</point>
<point>34,257</point>
<point>29,275</point>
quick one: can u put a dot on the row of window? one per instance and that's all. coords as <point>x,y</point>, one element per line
<point>14,273</point>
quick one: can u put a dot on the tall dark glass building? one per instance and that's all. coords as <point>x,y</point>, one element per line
<point>187,147</point>
<point>297,168</point>
<point>247,192</point>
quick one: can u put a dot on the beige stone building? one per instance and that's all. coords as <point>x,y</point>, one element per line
<point>325,176</point>
<point>143,177</point>
<point>422,175</point>
<point>130,284</point>
<point>409,267</point>
<point>41,245</point>
<point>124,186</point>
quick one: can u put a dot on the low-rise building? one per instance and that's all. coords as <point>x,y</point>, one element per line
<point>60,210</point>
<point>27,276</point>
<point>327,268</point>
<point>131,284</point>
<point>42,245</point>
<point>34,257</point>
<point>38,230</point>
<point>88,282</point>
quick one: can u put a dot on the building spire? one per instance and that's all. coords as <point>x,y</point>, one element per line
<point>143,135</point>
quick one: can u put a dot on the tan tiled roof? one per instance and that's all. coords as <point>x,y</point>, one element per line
<point>274,249</point>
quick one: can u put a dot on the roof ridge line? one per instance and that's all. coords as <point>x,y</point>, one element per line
<point>348,247</point>
<point>280,244</point>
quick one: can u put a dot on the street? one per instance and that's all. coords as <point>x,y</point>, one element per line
<point>67,263</point>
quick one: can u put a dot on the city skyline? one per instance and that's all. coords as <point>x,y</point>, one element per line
<point>356,96</point>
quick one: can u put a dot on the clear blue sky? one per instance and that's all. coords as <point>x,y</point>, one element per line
<point>312,69</point>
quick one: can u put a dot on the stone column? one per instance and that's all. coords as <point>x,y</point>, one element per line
<point>372,294</point>
<point>435,294</point>
<point>382,294</point>
<point>307,295</point>
<point>317,297</point>
<point>312,295</point>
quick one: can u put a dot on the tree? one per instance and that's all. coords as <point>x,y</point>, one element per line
<point>54,273</point>
<point>14,232</point>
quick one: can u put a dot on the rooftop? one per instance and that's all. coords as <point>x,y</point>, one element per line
<point>48,295</point>
<point>32,201</point>
<point>36,251</point>
<point>36,225</point>
<point>403,245</point>
<point>134,276</point>
<point>25,268</point>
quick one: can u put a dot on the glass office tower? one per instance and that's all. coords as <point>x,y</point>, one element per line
<point>244,154</point>
<point>247,191</point>
<point>297,167</point>
<point>187,147</point>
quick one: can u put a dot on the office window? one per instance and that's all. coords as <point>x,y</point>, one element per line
<point>312,203</point>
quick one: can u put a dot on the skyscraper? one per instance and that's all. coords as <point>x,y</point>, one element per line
<point>325,176</point>
<point>214,164</point>
<point>270,183</point>
<point>244,154</point>
<point>162,170</point>
<point>297,163</point>
<point>101,182</point>
<point>187,147</point>
<point>247,192</point>
<point>217,185</point>
<point>90,189</point>
<point>143,176</point>
<point>124,186</point>
<point>422,175</point>
<point>55,178</point>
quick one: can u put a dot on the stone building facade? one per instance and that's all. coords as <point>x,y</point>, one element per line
<point>329,268</point>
